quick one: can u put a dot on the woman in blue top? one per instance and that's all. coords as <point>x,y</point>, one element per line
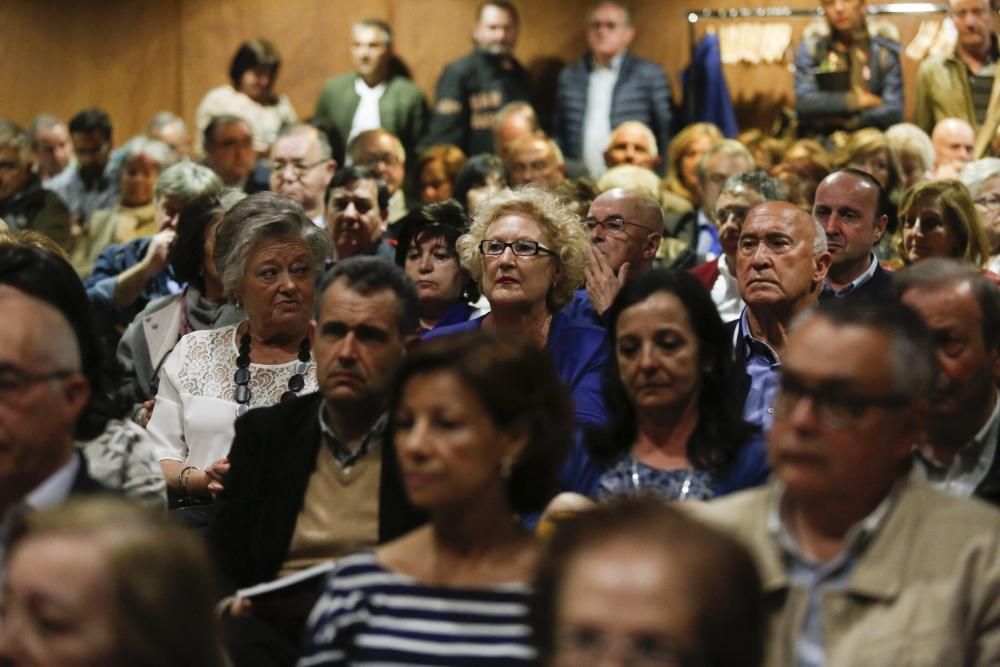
<point>676,429</point>
<point>527,252</point>
<point>480,424</point>
<point>426,252</point>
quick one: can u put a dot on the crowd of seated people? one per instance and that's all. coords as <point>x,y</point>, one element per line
<point>451,384</point>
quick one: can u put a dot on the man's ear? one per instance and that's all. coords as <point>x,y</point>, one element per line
<point>880,224</point>
<point>651,245</point>
<point>821,265</point>
<point>411,342</point>
<point>75,392</point>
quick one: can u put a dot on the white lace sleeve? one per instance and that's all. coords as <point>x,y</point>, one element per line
<point>166,426</point>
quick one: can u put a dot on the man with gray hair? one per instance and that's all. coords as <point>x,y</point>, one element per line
<point>625,230</point>
<point>862,564</point>
<point>301,167</point>
<point>781,263</point>
<point>632,143</point>
<point>535,158</point>
<point>375,95</point>
<point>851,206</point>
<point>959,451</point>
<point>954,146</point>
<point>127,276</point>
<point>742,191</point>
<point>606,87</point>
<point>383,153</point>
<point>24,203</point>
<point>170,128</point>
<point>695,235</point>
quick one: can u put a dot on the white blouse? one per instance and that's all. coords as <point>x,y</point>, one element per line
<point>195,405</point>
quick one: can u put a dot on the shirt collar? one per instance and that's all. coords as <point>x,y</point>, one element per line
<point>977,453</point>
<point>615,65</point>
<point>363,89</point>
<point>344,456</point>
<point>857,538</point>
<point>857,282</point>
<point>56,486</point>
<point>750,344</point>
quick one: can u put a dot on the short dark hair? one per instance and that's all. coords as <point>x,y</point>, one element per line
<point>446,220</point>
<point>882,200</point>
<point>253,53</point>
<point>366,275</point>
<point>937,272</point>
<point>726,590</point>
<point>90,120</point>
<point>348,175</point>
<point>475,173</point>
<point>518,386</point>
<point>721,431</point>
<point>505,5</point>
<point>215,122</point>
<point>911,346</point>
<point>188,252</point>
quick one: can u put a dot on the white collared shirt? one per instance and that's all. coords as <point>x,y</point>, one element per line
<point>857,282</point>
<point>366,116</point>
<point>597,117</point>
<point>726,293</point>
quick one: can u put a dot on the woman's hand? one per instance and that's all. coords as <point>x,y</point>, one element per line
<point>145,413</point>
<point>216,476</point>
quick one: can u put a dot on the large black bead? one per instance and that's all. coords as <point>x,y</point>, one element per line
<point>241,376</point>
<point>296,382</point>
<point>242,394</point>
<point>243,360</point>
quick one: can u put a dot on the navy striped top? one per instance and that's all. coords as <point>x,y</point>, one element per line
<point>368,615</point>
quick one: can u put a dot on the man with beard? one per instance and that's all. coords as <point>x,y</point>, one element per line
<point>89,184</point>
<point>472,90</point>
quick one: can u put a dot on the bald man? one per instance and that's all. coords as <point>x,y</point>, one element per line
<point>535,159</point>
<point>632,143</point>
<point>781,263</point>
<point>954,143</point>
<point>42,393</point>
<point>625,231</point>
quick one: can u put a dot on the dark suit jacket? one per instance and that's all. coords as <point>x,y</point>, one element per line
<point>84,484</point>
<point>274,453</point>
<point>878,286</point>
<point>989,488</point>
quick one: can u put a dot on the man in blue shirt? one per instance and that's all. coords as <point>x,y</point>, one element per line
<point>781,263</point>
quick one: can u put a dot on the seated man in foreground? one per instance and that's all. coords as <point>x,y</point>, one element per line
<point>862,564</point>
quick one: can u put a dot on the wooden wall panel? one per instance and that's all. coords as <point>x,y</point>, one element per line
<point>135,58</point>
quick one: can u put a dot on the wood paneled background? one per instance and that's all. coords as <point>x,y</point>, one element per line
<point>136,57</point>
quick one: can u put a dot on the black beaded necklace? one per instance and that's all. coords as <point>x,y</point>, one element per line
<point>242,374</point>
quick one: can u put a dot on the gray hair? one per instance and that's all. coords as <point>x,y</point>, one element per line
<point>353,146</point>
<point>186,181</point>
<point>262,217</point>
<point>377,24</point>
<point>43,122</point>
<point>630,177</point>
<point>975,174</point>
<point>163,119</point>
<point>325,152</point>
<point>729,148</point>
<point>600,3</point>
<point>562,227</point>
<point>911,346</point>
<point>642,127</point>
<point>758,181</point>
<point>909,138</point>
<point>13,136</point>
<point>819,240</point>
<point>153,149</point>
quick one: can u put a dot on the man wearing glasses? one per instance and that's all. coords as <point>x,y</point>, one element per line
<point>301,167</point>
<point>625,229</point>
<point>42,392</point>
<point>861,563</point>
<point>383,153</point>
<point>89,184</point>
<point>229,153</point>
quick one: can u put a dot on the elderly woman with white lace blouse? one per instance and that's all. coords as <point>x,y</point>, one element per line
<point>269,255</point>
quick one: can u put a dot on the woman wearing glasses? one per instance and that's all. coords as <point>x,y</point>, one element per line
<point>982,177</point>
<point>268,254</point>
<point>527,252</point>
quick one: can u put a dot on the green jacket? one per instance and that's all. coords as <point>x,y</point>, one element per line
<point>402,109</point>
<point>943,92</point>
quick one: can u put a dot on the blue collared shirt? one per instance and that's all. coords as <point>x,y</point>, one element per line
<point>709,246</point>
<point>857,282</point>
<point>764,369</point>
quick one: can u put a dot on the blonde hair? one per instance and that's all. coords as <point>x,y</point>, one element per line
<point>563,229</point>
<point>959,214</point>
<point>675,153</point>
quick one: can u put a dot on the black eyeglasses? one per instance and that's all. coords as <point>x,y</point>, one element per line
<point>521,248</point>
<point>837,408</point>
<point>613,224</point>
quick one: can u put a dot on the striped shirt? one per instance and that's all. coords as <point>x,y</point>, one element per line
<point>368,615</point>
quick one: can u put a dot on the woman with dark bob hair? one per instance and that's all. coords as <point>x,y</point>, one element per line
<point>268,255</point>
<point>201,305</point>
<point>643,580</point>
<point>250,95</point>
<point>425,250</point>
<point>123,586</point>
<point>676,429</point>
<point>480,424</point>
<point>481,177</point>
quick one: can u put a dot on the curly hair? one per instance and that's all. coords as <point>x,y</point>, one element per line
<point>959,213</point>
<point>563,230</point>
